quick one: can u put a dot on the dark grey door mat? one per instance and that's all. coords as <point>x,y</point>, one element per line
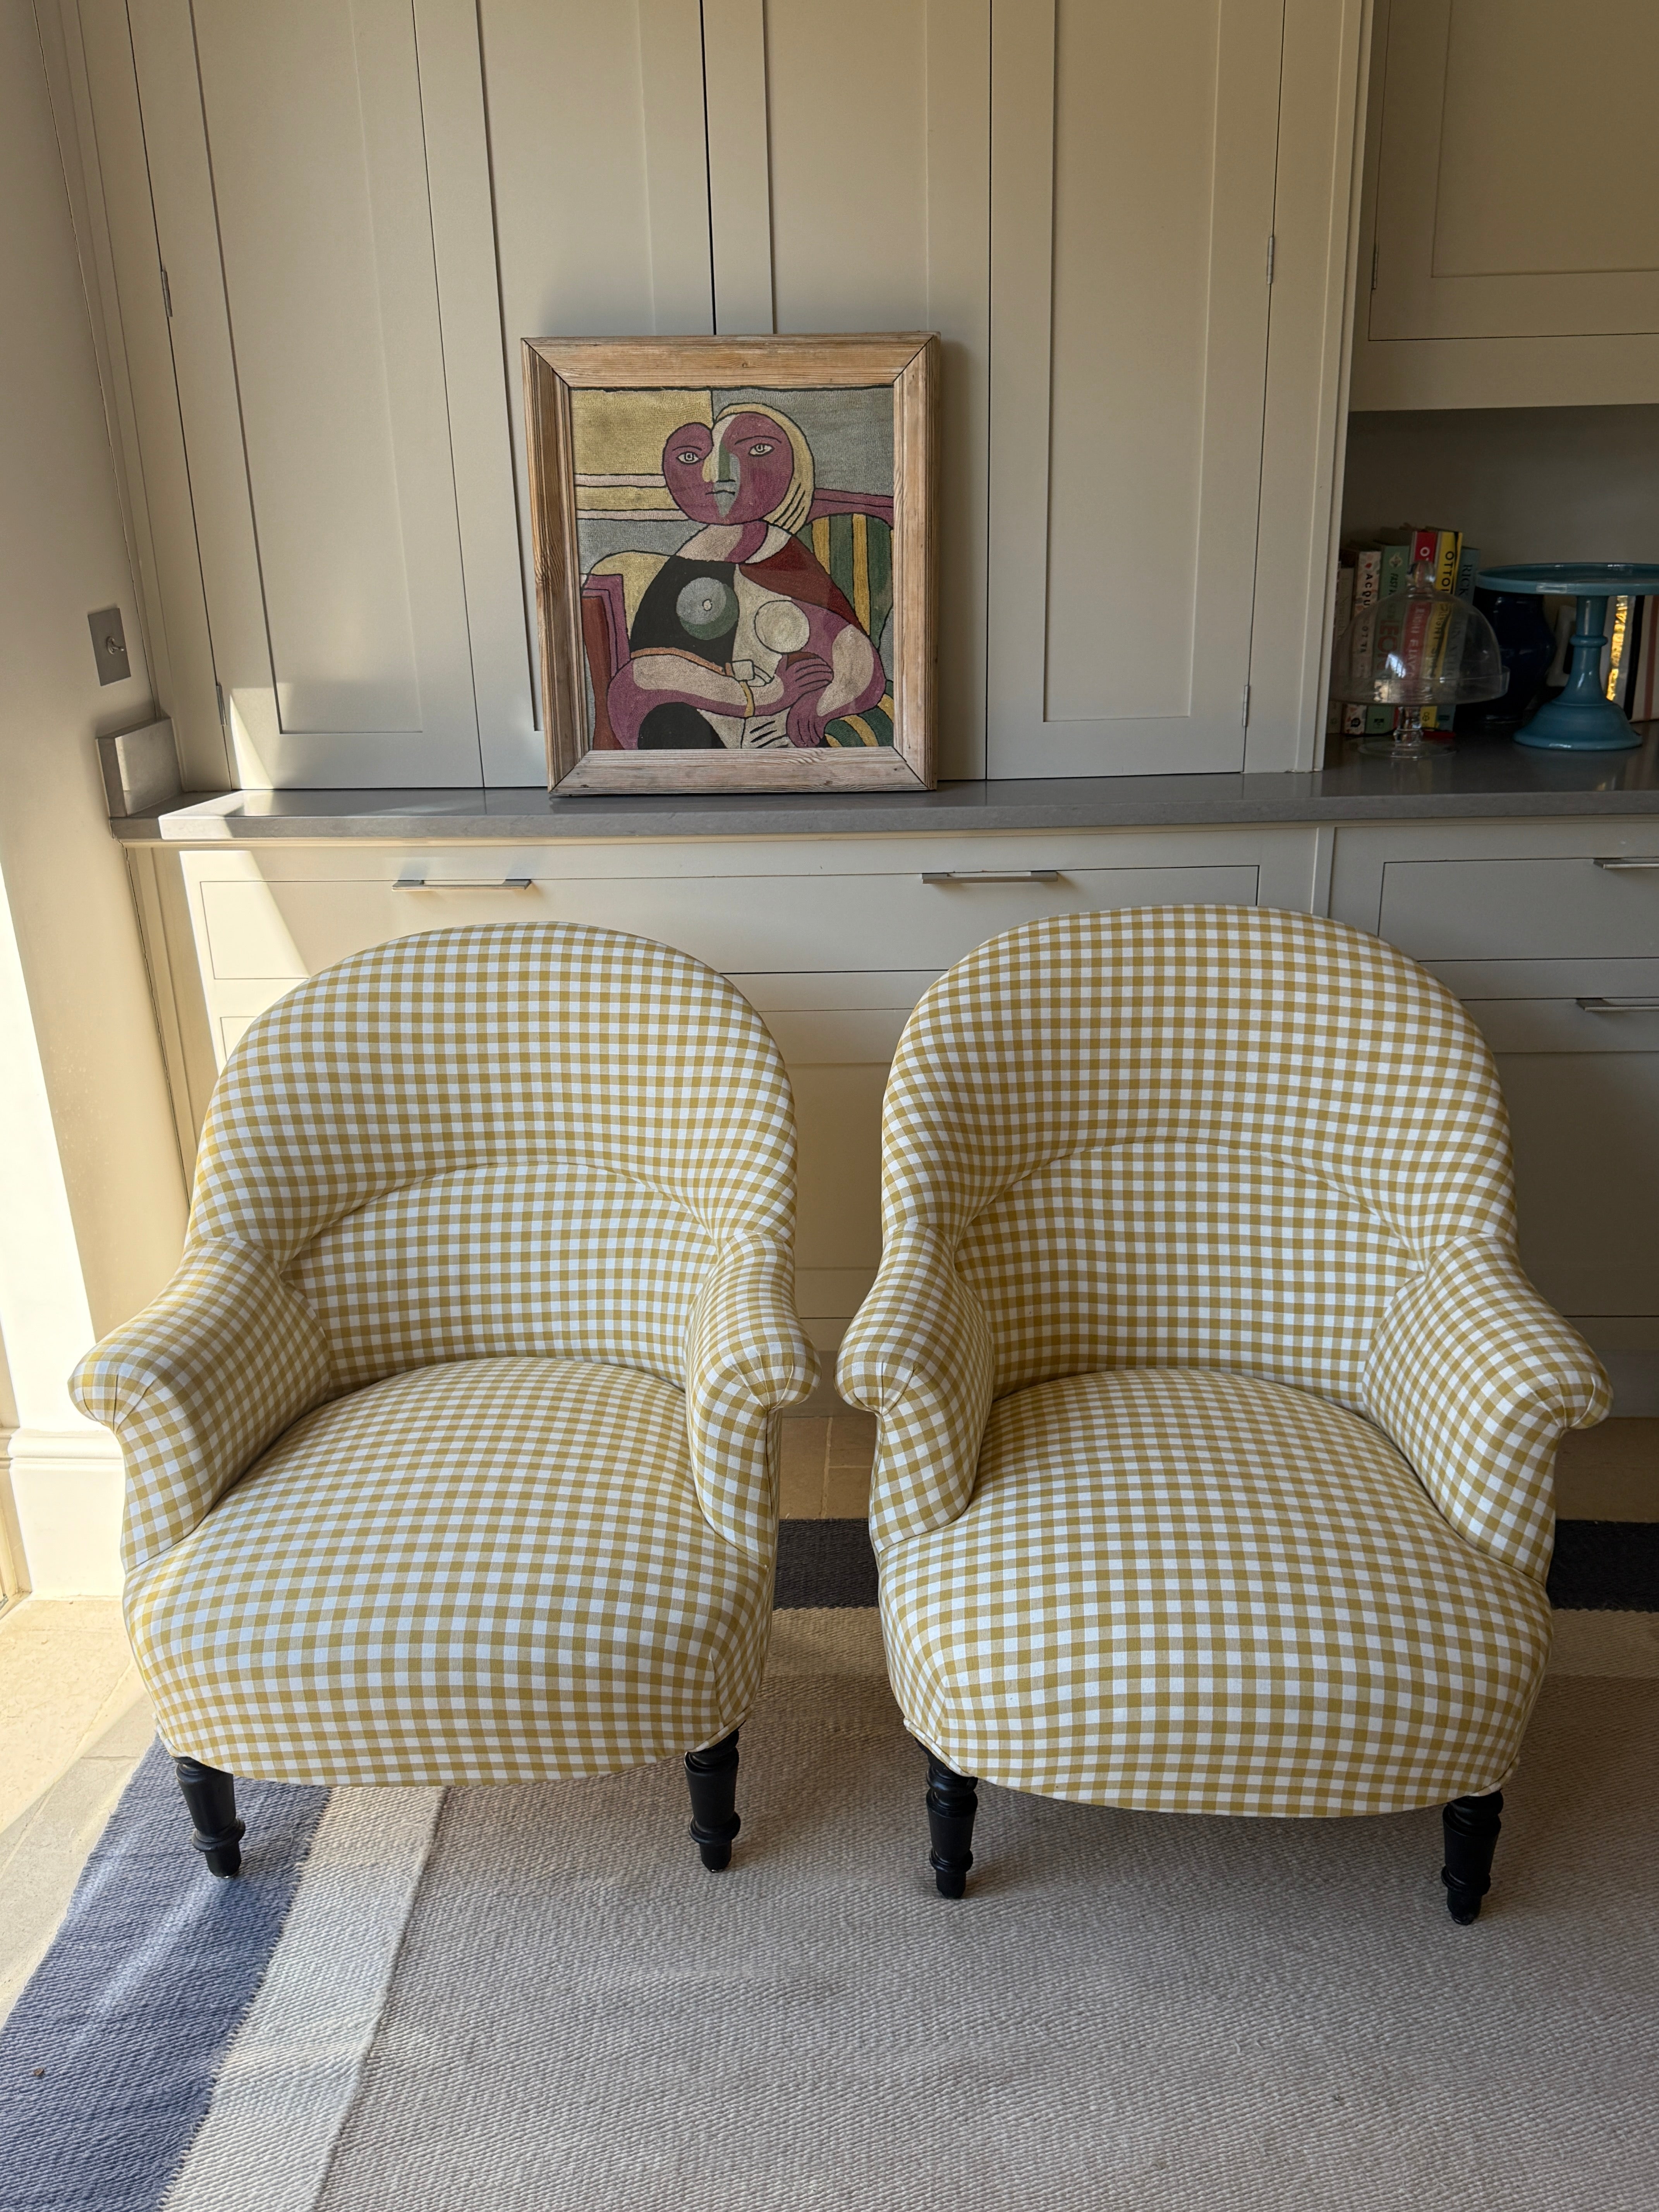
<point>1603,1566</point>
<point>1606,1566</point>
<point>825,1563</point>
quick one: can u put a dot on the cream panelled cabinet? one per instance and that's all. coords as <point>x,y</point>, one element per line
<point>363,206</point>
<point>1512,227</point>
<point>1132,169</point>
<point>316,169</point>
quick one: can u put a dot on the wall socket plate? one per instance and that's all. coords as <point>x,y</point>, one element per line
<point>109,645</point>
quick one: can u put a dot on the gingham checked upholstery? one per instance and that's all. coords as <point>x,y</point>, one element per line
<point>1217,1419</point>
<point>450,1447</point>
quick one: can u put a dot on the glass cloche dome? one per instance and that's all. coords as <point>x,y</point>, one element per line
<point>1417,648</point>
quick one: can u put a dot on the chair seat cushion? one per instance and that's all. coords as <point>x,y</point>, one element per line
<point>490,1570</point>
<point>1192,1591</point>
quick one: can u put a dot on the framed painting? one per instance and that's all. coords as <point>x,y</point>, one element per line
<point>734,561</point>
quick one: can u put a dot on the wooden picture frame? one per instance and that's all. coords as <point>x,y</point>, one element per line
<point>668,667</point>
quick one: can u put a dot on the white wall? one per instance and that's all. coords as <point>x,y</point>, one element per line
<point>1524,483</point>
<point>92,1200</point>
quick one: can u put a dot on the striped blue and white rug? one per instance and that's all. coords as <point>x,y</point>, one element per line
<point>534,1998</point>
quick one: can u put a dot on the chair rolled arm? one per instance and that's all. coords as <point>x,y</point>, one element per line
<point>198,1384</point>
<point>1475,1378</point>
<point>920,1356</point>
<point>747,1358</point>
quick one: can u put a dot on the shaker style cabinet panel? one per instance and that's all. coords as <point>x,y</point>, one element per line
<point>1133,166</point>
<point>290,173</point>
<point>599,176</point>
<point>877,123</point>
<point>1587,1175</point>
<point>1513,227</point>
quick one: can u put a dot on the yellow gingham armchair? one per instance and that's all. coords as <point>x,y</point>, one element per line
<point>1216,1418</point>
<point>450,1448</point>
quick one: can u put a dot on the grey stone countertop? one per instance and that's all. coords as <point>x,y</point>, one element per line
<point>1485,780</point>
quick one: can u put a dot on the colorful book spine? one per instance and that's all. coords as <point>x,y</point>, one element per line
<point>1367,579</point>
<point>1448,543</point>
<point>1342,615</point>
<point>1425,554</point>
<point>1468,568</point>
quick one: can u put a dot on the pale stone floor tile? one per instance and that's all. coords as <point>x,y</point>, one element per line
<point>846,1493</point>
<point>826,1467</point>
<point>800,1481</point>
<point>65,1669</point>
<point>1610,1472</point>
<point>852,1439</point>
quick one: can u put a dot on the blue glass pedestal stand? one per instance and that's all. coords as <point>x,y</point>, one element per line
<point>1582,719</point>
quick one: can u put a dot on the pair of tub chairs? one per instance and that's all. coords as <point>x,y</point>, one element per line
<point>1217,1419</point>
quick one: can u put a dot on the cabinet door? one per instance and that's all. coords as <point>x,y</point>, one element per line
<point>1131,169</point>
<point>1582,1114</point>
<point>293,175</point>
<point>849,190</point>
<point>1515,195</point>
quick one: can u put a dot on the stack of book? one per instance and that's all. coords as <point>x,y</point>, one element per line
<point>1375,566</point>
<point>1632,660</point>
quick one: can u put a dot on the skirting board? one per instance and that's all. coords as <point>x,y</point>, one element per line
<point>66,1485</point>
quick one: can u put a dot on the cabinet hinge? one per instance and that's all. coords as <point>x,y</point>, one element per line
<point>1271,243</point>
<point>1244,709</point>
<point>1376,249</point>
<point>167,292</point>
<point>219,700</point>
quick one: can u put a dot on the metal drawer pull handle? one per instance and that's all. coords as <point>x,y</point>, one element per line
<point>998,875</point>
<point>1620,1006</point>
<point>463,884</point>
<point>1651,861</point>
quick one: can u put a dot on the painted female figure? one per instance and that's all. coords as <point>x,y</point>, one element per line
<point>742,638</point>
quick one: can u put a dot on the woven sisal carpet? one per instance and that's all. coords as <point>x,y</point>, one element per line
<point>534,1998</point>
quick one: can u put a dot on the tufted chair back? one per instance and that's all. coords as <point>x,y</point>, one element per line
<point>1193,1136</point>
<point>526,1138</point>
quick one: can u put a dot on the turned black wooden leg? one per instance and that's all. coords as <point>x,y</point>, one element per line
<point>211,1800</point>
<point>953,1802</point>
<point>1472,1825</point>
<point>713,1777</point>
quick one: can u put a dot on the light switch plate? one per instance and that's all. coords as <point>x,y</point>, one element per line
<point>109,645</point>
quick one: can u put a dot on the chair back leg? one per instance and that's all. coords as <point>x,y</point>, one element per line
<point>712,1776</point>
<point>210,1799</point>
<point>952,1801</point>
<point>1471,1825</point>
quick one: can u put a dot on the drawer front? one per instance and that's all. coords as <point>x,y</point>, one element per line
<point>1536,909</point>
<point>259,929</point>
<point>1594,1025</point>
<point>1587,1175</point>
<point>1474,980</point>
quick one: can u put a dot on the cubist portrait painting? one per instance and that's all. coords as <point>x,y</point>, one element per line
<point>736,553</point>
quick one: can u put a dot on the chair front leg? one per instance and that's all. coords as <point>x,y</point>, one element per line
<point>952,1801</point>
<point>712,1776</point>
<point>210,1799</point>
<point>1471,1825</point>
